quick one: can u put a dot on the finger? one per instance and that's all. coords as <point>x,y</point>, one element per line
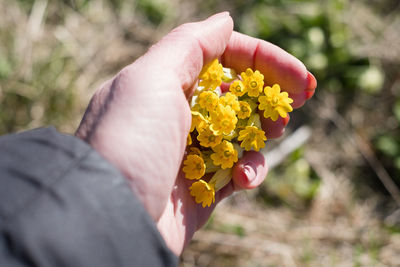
<point>146,99</point>
<point>274,63</point>
<point>300,98</point>
<point>188,47</point>
<point>274,129</point>
<point>224,87</point>
<point>250,171</point>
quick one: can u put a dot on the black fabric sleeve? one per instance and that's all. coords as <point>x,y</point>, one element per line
<point>62,204</point>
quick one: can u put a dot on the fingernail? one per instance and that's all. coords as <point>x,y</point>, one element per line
<point>286,120</point>
<point>251,171</point>
<point>311,85</point>
<point>312,82</point>
<point>308,94</point>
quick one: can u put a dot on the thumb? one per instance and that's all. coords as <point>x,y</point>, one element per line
<point>183,52</point>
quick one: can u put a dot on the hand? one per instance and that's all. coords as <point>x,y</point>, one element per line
<point>139,120</point>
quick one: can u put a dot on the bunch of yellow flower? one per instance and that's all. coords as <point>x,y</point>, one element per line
<point>225,124</point>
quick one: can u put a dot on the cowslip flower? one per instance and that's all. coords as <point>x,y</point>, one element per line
<point>227,124</point>
<point>203,192</point>
<point>237,88</point>
<point>224,154</point>
<point>208,100</point>
<point>194,167</point>
<point>211,75</point>
<point>208,138</point>
<point>275,103</point>
<point>198,121</point>
<point>253,81</point>
<point>230,99</point>
<point>223,120</point>
<point>252,137</point>
<point>244,110</point>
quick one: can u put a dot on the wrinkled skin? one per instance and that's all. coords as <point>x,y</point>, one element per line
<point>140,119</point>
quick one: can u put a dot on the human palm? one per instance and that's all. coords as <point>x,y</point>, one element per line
<point>182,216</point>
<point>140,119</point>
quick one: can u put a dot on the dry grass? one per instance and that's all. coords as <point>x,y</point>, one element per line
<point>280,237</point>
<point>342,226</point>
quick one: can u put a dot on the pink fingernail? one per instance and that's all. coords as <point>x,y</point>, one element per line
<point>308,94</point>
<point>251,171</point>
<point>311,85</point>
<point>286,120</point>
<point>312,82</point>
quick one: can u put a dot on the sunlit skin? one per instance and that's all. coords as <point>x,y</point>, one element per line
<point>132,123</point>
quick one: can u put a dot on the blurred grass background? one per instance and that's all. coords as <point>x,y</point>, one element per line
<point>331,201</point>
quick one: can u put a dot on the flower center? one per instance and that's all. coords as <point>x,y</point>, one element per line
<point>244,109</point>
<point>238,88</point>
<point>199,166</point>
<point>253,84</point>
<point>211,138</point>
<point>227,154</point>
<point>275,100</point>
<point>225,123</point>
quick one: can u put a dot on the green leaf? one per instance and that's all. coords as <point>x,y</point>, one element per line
<point>388,145</point>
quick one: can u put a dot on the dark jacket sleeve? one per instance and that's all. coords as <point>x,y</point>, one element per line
<point>62,204</point>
